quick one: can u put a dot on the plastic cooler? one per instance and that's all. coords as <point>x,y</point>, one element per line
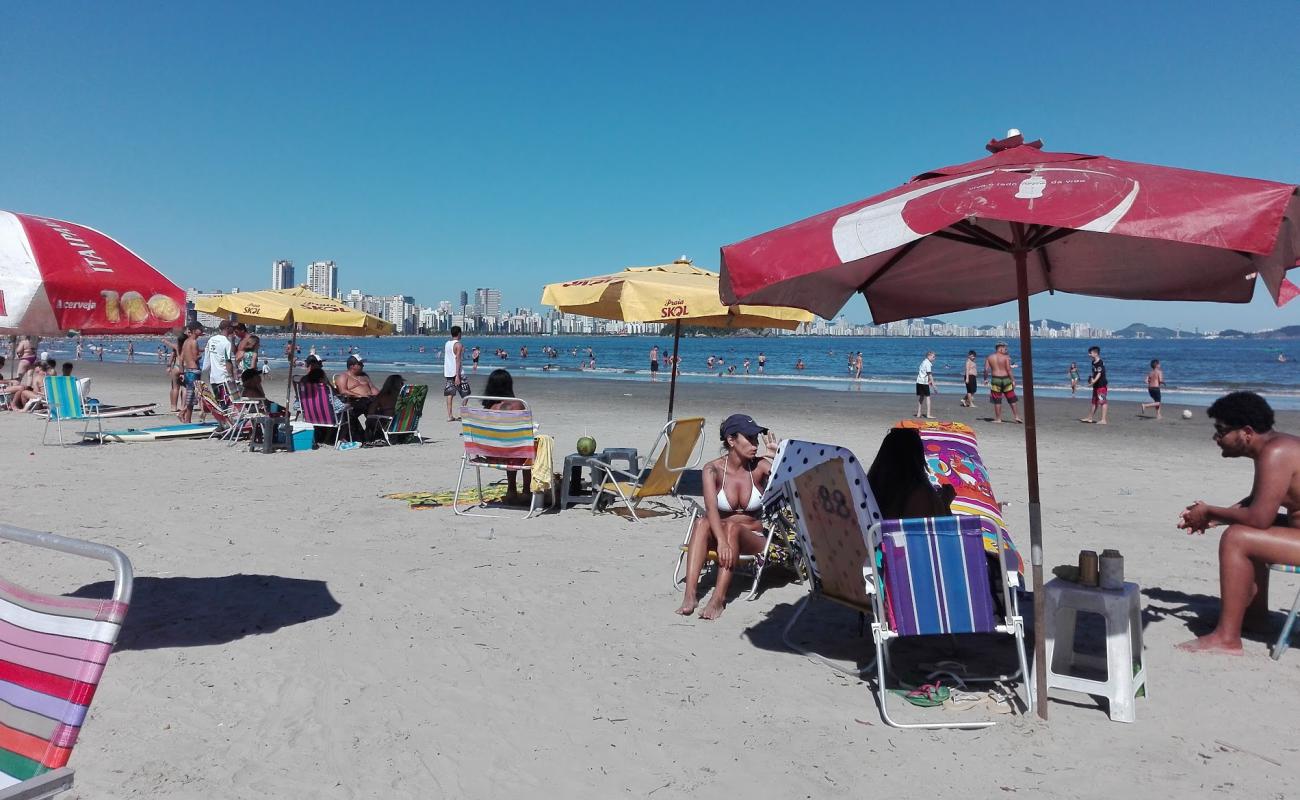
<point>303,434</point>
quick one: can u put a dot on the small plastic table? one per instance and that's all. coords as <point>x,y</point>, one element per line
<point>1124,664</point>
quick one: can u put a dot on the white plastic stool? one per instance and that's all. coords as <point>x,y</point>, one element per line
<point>1122,610</point>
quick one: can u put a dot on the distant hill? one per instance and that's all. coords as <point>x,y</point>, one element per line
<point>1287,332</point>
<point>1139,330</point>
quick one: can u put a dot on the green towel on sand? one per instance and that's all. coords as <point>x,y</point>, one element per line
<point>468,496</point>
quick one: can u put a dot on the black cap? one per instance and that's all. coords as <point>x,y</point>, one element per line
<point>313,359</point>
<point>355,360</point>
<point>741,423</point>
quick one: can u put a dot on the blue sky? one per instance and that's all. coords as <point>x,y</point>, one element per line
<point>429,148</point>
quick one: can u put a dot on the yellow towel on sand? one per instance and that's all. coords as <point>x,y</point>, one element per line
<point>543,471</point>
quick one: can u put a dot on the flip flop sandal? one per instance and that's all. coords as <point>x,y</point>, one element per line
<point>931,695</point>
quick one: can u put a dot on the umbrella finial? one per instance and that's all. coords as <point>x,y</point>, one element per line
<point>1014,138</point>
<point>682,259</point>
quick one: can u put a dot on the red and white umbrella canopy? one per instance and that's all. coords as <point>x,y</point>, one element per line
<point>57,276</point>
<point>1094,225</point>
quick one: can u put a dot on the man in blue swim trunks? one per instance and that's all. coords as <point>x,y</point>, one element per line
<point>189,358</point>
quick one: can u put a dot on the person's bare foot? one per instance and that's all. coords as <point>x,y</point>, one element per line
<point>711,611</point>
<point>1090,422</point>
<point>1102,422</point>
<point>1212,643</point>
<point>688,606</point>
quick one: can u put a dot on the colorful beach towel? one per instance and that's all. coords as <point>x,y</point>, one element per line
<point>952,458</point>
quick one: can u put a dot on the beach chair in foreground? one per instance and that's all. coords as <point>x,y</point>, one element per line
<point>679,447</point>
<point>934,580</point>
<point>833,510</point>
<point>501,440</point>
<point>952,459</point>
<point>405,420</point>
<point>63,397</point>
<point>52,656</point>
<point>317,410</point>
<point>1284,638</point>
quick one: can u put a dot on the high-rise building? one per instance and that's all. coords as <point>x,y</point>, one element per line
<point>323,278</point>
<point>464,298</point>
<point>282,275</point>
<point>488,301</point>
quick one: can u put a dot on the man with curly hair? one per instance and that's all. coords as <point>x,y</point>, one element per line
<point>1263,528</point>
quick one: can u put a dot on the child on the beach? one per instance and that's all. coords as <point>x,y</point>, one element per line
<point>1155,381</point>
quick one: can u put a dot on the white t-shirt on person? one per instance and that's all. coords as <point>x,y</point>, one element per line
<point>217,353</point>
<point>924,371</point>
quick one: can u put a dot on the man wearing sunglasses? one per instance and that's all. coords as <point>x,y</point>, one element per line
<point>1263,529</point>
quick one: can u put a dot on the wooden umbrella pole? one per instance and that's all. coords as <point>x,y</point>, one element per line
<point>672,380</point>
<point>1031,464</point>
<point>293,359</point>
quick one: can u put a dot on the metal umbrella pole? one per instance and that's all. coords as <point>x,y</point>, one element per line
<point>293,359</point>
<point>672,381</point>
<point>1021,253</point>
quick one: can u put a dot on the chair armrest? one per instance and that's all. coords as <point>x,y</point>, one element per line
<point>42,786</point>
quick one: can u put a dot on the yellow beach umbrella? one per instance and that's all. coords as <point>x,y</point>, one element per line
<point>299,308</point>
<point>677,292</point>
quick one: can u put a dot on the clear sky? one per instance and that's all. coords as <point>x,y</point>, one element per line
<point>430,147</point>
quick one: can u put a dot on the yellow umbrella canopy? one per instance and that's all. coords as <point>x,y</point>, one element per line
<point>300,305</point>
<point>676,292</point>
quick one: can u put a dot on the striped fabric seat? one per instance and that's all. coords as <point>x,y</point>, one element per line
<point>314,399</point>
<point>52,654</point>
<point>1285,568</point>
<point>497,437</point>
<point>63,399</point>
<point>405,420</point>
<point>936,576</point>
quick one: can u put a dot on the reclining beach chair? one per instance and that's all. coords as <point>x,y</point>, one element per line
<point>934,580</point>
<point>777,532</point>
<point>52,656</point>
<point>952,459</point>
<point>502,440</point>
<point>678,448</point>
<point>405,420</point>
<point>833,507</point>
<point>317,410</point>
<point>63,398</point>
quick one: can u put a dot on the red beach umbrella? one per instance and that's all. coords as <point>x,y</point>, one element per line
<point>58,276</point>
<point>1019,222</point>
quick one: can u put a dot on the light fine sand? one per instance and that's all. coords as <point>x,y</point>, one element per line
<point>296,635</point>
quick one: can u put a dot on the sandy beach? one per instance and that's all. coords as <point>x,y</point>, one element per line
<point>295,634</point>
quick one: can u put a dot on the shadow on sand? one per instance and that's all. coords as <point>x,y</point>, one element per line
<point>1200,613</point>
<point>191,612</point>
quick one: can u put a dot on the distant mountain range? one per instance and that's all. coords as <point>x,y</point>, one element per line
<point>1287,332</point>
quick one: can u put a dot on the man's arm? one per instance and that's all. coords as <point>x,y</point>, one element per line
<point>1273,475</point>
<point>459,350</point>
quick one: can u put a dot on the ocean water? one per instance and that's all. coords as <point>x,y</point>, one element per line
<point>1196,370</point>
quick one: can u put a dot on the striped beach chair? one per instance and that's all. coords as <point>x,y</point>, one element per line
<point>53,650</point>
<point>405,420</point>
<point>933,580</point>
<point>501,440</point>
<point>317,410</point>
<point>64,401</point>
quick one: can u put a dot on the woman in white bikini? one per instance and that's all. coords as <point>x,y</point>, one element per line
<point>733,502</point>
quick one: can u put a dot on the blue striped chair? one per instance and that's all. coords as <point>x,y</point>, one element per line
<point>63,397</point>
<point>933,580</point>
<point>1284,640</point>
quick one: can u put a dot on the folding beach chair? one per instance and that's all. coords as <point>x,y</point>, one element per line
<point>52,656</point>
<point>833,507</point>
<point>405,420</point>
<point>503,440</point>
<point>1283,642</point>
<point>317,410</point>
<point>778,535</point>
<point>934,581</point>
<point>952,459</point>
<point>678,448</point>
<point>64,400</point>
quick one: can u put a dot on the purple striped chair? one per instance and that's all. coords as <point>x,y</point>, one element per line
<point>52,654</point>
<point>316,409</point>
<point>934,581</point>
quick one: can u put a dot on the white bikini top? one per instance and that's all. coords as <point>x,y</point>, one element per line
<point>755,496</point>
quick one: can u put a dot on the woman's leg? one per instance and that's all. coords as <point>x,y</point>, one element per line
<point>696,552</point>
<point>749,542</point>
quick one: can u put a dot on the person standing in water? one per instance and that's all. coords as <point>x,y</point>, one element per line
<point>1155,382</point>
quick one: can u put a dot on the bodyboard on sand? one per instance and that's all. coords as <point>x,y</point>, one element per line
<point>108,412</point>
<point>155,434</point>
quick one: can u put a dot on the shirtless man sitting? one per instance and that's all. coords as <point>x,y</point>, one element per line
<point>997,374</point>
<point>356,389</point>
<point>1257,534</point>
